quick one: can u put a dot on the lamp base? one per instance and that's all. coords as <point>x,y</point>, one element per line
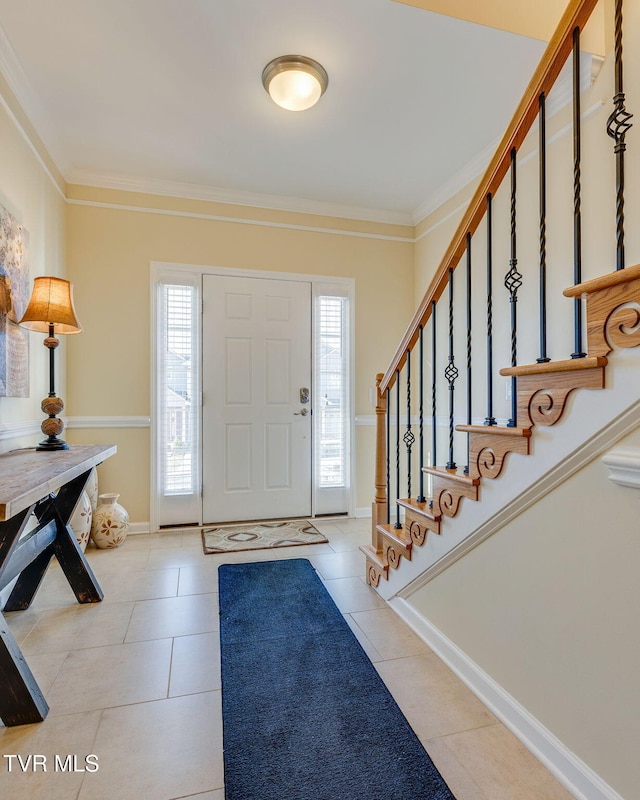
<point>52,426</point>
<point>52,443</point>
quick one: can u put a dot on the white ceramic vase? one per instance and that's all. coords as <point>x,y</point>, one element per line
<point>81,520</point>
<point>91,488</point>
<point>110,523</point>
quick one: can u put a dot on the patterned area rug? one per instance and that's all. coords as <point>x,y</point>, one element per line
<point>260,536</point>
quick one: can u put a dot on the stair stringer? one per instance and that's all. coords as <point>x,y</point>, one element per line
<point>593,421</point>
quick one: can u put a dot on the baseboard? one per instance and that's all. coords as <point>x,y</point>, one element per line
<point>139,527</point>
<point>362,513</point>
<point>572,772</point>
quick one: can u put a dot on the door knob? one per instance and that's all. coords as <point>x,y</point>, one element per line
<point>302,413</point>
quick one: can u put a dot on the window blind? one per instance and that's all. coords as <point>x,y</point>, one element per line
<point>331,392</point>
<point>177,376</point>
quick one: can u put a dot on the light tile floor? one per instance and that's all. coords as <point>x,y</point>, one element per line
<point>135,680</point>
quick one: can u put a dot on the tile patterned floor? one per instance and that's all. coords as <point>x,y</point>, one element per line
<point>135,679</point>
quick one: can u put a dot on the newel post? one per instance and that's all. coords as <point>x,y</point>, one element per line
<point>379,505</point>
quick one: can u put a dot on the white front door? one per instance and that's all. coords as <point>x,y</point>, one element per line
<point>256,413</point>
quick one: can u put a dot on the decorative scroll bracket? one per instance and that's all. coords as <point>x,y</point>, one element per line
<point>488,448</point>
<point>613,310</point>
<point>375,568</point>
<point>449,487</point>
<point>543,389</point>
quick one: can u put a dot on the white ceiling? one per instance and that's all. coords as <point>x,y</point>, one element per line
<point>162,93</point>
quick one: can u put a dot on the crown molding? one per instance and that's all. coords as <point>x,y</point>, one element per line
<point>29,101</point>
<point>17,80</point>
<point>559,98</point>
<point>16,77</point>
<point>214,194</point>
<point>473,169</point>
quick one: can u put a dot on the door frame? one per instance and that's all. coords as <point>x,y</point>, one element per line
<point>157,269</point>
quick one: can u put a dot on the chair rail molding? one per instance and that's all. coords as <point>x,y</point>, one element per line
<point>624,466</point>
<point>108,422</point>
<point>13,430</point>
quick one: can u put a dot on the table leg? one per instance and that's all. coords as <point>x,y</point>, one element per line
<point>21,700</point>
<point>67,550</point>
<point>28,582</point>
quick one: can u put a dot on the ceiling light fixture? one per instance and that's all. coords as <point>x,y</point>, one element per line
<point>295,82</point>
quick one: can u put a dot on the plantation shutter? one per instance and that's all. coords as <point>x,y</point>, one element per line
<point>331,406</point>
<point>177,399</point>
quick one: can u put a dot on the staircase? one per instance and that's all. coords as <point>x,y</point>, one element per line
<point>540,391</point>
<point>543,392</point>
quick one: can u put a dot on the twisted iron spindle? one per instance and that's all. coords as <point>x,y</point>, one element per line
<point>397,524</point>
<point>489,419</point>
<point>512,282</point>
<point>451,374</point>
<point>388,407</point>
<point>469,385</point>
<point>421,497</point>
<point>617,126</point>
<point>434,352</point>
<point>577,213</point>
<point>543,358</point>
<point>409,438</point>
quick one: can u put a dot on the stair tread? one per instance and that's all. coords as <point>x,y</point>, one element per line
<point>496,430</point>
<point>568,365</point>
<point>397,534</point>
<point>455,475</point>
<point>603,282</point>
<point>370,552</point>
<point>412,504</point>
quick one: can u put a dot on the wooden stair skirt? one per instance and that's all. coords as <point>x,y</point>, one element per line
<point>543,389</point>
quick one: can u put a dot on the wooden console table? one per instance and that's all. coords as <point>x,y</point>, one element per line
<point>47,484</point>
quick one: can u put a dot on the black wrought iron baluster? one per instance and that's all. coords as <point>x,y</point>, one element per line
<point>542,163</point>
<point>409,438</point>
<point>489,419</point>
<point>451,374</point>
<point>513,281</point>
<point>577,213</point>
<point>466,469</point>
<point>434,374</point>
<point>618,125</point>
<point>397,524</point>
<point>421,497</point>
<point>388,455</point>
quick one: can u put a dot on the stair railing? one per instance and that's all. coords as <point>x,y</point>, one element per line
<point>450,483</point>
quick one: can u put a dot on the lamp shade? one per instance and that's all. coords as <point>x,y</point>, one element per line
<point>295,82</point>
<point>51,303</point>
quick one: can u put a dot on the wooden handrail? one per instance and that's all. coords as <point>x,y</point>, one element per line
<point>552,62</point>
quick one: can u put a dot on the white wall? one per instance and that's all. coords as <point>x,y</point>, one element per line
<point>548,605</point>
<point>32,191</point>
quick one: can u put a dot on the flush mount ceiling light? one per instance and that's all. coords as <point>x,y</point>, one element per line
<point>295,82</point>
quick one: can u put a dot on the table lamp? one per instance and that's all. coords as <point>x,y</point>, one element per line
<point>51,311</point>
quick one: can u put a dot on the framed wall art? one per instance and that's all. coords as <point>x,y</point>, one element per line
<point>14,296</point>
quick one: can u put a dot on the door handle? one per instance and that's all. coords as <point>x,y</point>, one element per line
<point>302,413</point>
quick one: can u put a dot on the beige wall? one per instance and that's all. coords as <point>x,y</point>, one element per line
<point>35,198</point>
<point>549,607</point>
<point>109,253</point>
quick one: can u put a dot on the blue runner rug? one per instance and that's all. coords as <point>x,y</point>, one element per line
<point>305,714</point>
